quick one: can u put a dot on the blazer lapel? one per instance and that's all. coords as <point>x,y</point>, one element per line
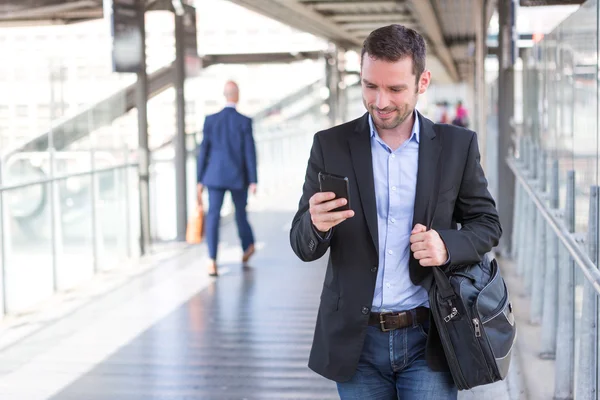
<point>427,173</point>
<point>362,162</point>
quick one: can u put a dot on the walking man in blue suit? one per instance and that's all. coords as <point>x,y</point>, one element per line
<point>227,162</point>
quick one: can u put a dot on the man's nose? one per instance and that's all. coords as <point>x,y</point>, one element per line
<point>381,101</point>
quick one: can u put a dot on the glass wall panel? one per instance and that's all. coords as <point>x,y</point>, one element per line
<point>60,109</point>
<point>565,63</point>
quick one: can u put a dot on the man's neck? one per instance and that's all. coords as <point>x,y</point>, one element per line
<point>397,136</point>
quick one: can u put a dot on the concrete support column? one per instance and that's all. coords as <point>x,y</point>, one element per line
<point>180,148</point>
<point>480,54</point>
<point>143,150</point>
<point>334,64</point>
<point>507,58</point>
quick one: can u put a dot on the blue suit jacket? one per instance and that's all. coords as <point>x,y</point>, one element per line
<point>227,155</point>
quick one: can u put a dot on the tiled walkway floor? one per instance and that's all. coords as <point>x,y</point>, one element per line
<point>173,333</point>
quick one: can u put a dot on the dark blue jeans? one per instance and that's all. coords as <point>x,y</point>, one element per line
<point>215,202</point>
<point>392,366</point>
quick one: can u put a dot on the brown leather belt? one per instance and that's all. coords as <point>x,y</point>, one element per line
<point>388,321</point>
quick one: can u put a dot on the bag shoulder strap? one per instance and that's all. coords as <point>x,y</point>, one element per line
<point>442,281</point>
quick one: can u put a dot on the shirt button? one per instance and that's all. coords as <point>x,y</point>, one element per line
<point>387,285</point>
<point>393,156</point>
<point>374,269</point>
<point>394,188</point>
<point>392,220</point>
<point>390,252</point>
<point>365,310</point>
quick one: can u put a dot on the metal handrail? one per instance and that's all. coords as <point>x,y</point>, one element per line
<point>587,266</point>
<point>65,177</point>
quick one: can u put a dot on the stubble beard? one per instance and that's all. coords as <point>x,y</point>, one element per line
<point>402,114</point>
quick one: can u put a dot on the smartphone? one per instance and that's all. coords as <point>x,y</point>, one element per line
<point>338,185</point>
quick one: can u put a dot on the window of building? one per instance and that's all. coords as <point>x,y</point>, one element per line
<point>22,111</point>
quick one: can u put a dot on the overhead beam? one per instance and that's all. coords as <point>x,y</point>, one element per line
<point>428,19</point>
<point>259,58</point>
<point>490,6</point>
<point>301,17</point>
<point>338,6</point>
<point>387,17</point>
<point>48,11</point>
<point>353,26</point>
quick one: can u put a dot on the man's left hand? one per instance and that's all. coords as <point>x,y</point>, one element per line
<point>428,247</point>
<point>252,188</point>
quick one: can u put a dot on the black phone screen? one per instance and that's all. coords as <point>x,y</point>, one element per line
<point>336,184</point>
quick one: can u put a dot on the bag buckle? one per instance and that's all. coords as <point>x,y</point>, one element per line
<point>382,320</point>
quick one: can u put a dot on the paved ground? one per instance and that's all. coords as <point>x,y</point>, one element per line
<point>174,333</point>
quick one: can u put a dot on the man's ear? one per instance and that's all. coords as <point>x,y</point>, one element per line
<point>424,81</point>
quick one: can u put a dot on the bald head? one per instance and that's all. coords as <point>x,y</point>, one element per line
<point>231,92</point>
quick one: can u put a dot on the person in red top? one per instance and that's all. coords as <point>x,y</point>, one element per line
<point>461,118</point>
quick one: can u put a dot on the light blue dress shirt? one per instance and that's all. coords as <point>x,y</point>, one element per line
<point>395,175</point>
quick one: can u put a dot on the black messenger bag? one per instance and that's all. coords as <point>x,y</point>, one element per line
<point>474,318</point>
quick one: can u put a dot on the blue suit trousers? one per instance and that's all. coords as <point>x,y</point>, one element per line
<point>213,217</point>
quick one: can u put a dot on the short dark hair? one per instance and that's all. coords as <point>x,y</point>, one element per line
<point>395,42</point>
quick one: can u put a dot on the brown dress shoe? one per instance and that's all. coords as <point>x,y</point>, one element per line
<point>212,268</point>
<point>248,253</point>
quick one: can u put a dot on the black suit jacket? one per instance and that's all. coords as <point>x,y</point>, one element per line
<point>449,166</point>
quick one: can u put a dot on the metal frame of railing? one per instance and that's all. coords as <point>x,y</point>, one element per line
<point>55,212</point>
<point>548,254</point>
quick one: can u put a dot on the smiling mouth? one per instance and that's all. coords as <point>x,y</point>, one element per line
<point>384,114</point>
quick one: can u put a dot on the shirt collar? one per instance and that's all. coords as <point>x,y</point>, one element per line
<point>416,129</point>
<point>230,105</point>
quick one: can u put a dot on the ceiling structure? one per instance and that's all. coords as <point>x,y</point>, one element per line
<point>447,25</point>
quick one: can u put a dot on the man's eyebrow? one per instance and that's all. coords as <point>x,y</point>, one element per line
<point>366,82</point>
<point>398,87</point>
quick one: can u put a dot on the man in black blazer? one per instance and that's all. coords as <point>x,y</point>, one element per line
<point>411,181</point>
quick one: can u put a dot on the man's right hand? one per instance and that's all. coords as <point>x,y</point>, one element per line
<point>199,193</point>
<point>322,217</point>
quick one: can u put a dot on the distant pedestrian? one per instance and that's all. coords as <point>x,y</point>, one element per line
<point>442,113</point>
<point>461,117</point>
<point>227,162</point>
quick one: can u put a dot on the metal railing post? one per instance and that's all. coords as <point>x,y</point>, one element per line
<point>518,214</point>
<point>528,232</point>
<point>125,172</point>
<point>588,342</point>
<point>565,338</point>
<point>550,295</point>
<point>538,271</point>
<point>55,222</point>
<point>539,266</point>
<point>535,228</point>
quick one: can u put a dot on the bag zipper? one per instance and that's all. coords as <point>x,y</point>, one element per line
<point>477,327</point>
<point>479,335</point>
<point>450,356</point>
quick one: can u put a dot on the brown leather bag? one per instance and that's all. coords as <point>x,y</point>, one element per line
<point>195,227</point>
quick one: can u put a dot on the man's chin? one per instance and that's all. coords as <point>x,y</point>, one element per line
<point>387,123</point>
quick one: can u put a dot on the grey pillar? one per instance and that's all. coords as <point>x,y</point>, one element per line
<point>341,84</point>
<point>480,54</point>
<point>565,345</point>
<point>506,180</point>
<point>143,151</point>
<point>180,149</point>
<point>332,79</point>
